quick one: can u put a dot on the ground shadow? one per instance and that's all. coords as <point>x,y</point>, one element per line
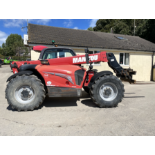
<point>134,96</point>
<point>85,95</point>
<point>129,93</point>
<point>10,108</point>
<point>65,101</point>
<point>144,83</point>
<point>54,102</point>
<point>71,101</point>
<point>60,101</point>
<point>89,103</point>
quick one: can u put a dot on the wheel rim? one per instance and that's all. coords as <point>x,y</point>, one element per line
<point>108,91</point>
<point>24,94</point>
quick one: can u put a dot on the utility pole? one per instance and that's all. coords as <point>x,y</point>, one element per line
<point>26,26</point>
<point>27,31</point>
<point>111,30</point>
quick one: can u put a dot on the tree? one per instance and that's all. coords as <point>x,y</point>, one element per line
<point>122,27</point>
<point>147,30</point>
<point>119,26</point>
<point>15,43</point>
<point>3,45</point>
<point>90,29</point>
<point>0,50</point>
<point>104,25</point>
<point>13,46</point>
<point>3,50</point>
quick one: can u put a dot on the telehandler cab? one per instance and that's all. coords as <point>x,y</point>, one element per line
<point>65,77</point>
<point>46,53</point>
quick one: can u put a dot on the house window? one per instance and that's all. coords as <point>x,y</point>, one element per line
<point>124,58</point>
<point>94,52</point>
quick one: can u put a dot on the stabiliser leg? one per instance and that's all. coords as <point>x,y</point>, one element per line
<point>124,74</point>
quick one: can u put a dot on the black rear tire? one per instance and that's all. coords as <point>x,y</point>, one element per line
<point>96,95</point>
<point>15,100</point>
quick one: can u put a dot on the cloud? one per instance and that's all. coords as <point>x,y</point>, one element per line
<point>93,22</point>
<point>43,21</point>
<point>75,28</point>
<point>68,23</point>
<point>13,23</point>
<point>3,37</point>
<point>22,22</point>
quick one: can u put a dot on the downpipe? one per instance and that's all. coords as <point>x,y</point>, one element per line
<point>152,66</point>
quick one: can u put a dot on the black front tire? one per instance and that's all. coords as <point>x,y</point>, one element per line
<point>22,81</point>
<point>95,91</point>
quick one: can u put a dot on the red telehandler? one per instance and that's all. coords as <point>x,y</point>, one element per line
<point>65,77</point>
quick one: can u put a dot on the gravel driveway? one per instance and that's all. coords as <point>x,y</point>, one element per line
<point>135,115</point>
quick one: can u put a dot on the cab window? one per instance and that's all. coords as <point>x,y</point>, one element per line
<point>57,53</point>
<point>65,53</point>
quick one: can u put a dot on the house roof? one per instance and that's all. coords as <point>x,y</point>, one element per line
<point>40,34</point>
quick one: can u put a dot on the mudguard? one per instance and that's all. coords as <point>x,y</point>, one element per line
<point>27,67</point>
<point>97,75</point>
<point>14,66</point>
<point>19,74</point>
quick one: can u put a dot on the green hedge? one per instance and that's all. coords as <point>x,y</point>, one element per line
<point>21,58</point>
<point>2,57</point>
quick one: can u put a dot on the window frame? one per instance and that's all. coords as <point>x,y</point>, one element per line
<point>124,59</point>
<point>99,64</point>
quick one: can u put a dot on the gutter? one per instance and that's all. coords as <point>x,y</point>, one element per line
<point>91,48</point>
